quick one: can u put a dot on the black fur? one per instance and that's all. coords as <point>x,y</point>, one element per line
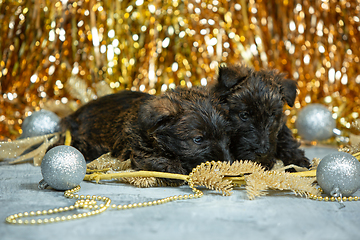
<point>255,101</point>
<point>173,132</point>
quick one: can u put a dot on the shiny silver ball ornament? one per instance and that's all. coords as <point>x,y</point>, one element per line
<point>63,168</point>
<point>40,123</point>
<point>315,122</point>
<point>338,174</point>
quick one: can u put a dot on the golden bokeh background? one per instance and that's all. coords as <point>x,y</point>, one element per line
<point>61,54</point>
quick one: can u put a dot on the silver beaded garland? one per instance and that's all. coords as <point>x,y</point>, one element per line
<point>40,123</point>
<point>315,122</point>
<point>63,167</point>
<point>338,174</point>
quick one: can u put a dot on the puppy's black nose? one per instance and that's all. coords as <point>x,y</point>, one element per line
<point>261,151</point>
<point>259,154</point>
<point>263,147</point>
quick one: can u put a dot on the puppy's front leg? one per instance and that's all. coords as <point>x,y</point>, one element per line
<point>288,150</point>
<point>160,164</point>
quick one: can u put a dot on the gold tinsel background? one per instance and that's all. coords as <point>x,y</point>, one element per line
<point>47,45</point>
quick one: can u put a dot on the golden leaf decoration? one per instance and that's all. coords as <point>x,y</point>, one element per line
<point>16,151</point>
<point>214,175</point>
<point>258,182</point>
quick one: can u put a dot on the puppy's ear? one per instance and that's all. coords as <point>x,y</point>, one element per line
<point>232,75</point>
<point>157,111</point>
<point>229,77</point>
<point>288,90</point>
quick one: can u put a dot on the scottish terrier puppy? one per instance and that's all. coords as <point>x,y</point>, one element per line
<point>172,132</point>
<point>254,101</point>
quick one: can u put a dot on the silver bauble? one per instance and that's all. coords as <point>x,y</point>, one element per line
<point>315,122</point>
<point>63,168</point>
<point>338,174</point>
<point>40,123</point>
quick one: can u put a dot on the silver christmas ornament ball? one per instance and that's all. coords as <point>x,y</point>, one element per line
<point>315,122</point>
<point>63,168</point>
<point>338,174</point>
<point>40,123</point>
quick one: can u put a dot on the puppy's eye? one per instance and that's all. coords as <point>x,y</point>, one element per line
<point>244,116</point>
<point>198,139</point>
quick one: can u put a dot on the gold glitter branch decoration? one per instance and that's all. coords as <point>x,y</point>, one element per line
<point>258,182</point>
<point>216,175</point>
<point>22,150</point>
<point>212,175</point>
<point>222,176</point>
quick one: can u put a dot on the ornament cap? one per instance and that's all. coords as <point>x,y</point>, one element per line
<point>336,192</point>
<point>42,184</point>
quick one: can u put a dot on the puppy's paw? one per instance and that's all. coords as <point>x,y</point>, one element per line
<point>158,164</point>
<point>302,161</point>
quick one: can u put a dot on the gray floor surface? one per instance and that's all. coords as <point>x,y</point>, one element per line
<point>279,215</point>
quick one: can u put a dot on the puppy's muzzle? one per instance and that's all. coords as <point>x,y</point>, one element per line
<point>264,148</point>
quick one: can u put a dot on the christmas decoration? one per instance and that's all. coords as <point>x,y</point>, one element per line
<point>209,174</point>
<point>40,123</point>
<point>353,147</point>
<point>338,174</point>
<point>219,176</point>
<point>63,167</point>
<point>315,122</point>
<point>154,45</point>
<point>46,47</point>
<point>21,150</point>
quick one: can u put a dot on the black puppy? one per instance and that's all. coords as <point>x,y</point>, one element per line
<point>173,132</point>
<point>255,101</point>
